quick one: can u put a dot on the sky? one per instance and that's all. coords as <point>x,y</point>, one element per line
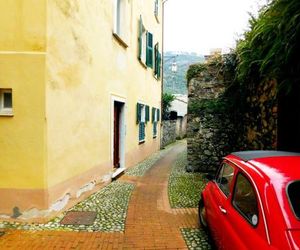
<point>201,25</point>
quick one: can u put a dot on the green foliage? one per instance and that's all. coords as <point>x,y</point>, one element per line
<point>271,49</point>
<point>167,100</point>
<point>219,105</point>
<point>194,71</point>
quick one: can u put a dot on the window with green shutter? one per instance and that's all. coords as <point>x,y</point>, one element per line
<point>142,117</point>
<point>153,114</point>
<point>138,113</point>
<point>149,50</point>
<point>141,131</point>
<point>147,117</point>
<point>155,119</point>
<point>142,39</point>
<point>156,8</point>
<point>157,63</point>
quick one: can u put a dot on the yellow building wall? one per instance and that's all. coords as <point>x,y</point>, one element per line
<point>87,67</point>
<point>23,25</point>
<point>22,136</point>
<point>65,67</point>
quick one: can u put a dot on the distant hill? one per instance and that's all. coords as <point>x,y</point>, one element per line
<point>175,82</point>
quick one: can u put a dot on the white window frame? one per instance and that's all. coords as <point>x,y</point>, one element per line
<point>120,22</point>
<point>143,113</point>
<point>144,47</point>
<point>156,10</point>
<point>4,110</point>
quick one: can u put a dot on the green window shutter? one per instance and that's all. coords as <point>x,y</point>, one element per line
<point>138,113</point>
<point>156,59</point>
<point>153,114</point>
<point>147,118</point>
<point>140,38</point>
<point>158,115</point>
<point>149,50</point>
<point>158,65</point>
<point>156,8</point>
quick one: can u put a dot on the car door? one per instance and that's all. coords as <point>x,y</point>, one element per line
<point>220,193</point>
<point>243,225</point>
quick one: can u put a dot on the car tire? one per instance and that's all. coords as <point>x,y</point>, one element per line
<point>202,214</point>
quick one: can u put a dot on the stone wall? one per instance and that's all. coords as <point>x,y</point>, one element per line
<point>168,132</point>
<point>181,125</point>
<point>214,131</point>
<point>260,118</point>
<point>208,132</point>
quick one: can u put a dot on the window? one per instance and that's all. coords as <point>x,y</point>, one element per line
<point>156,9</point>
<point>149,50</point>
<point>225,177</point>
<point>155,120</point>
<point>145,42</point>
<point>142,42</point>
<point>6,102</point>
<point>120,26</point>
<point>293,194</point>
<point>244,200</point>
<point>157,63</point>
<point>142,119</point>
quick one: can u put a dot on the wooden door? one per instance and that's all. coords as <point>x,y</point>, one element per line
<point>117,113</point>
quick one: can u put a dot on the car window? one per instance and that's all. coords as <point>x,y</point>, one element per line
<point>244,199</point>
<point>224,178</point>
<point>294,198</point>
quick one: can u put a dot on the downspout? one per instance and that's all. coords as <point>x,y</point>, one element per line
<point>162,68</point>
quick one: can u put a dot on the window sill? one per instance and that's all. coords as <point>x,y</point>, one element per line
<point>157,19</point>
<point>120,40</point>
<point>143,64</point>
<point>141,142</point>
<point>7,114</point>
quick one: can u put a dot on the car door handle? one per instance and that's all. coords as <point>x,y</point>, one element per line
<point>222,210</point>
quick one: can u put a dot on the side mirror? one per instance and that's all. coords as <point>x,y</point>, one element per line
<point>209,177</point>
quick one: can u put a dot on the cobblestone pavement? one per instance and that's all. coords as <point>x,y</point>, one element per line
<point>150,221</point>
<point>110,205</point>
<point>184,188</point>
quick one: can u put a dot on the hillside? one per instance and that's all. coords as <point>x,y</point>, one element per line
<point>175,82</point>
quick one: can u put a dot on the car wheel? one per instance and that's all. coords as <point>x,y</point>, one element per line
<point>202,214</point>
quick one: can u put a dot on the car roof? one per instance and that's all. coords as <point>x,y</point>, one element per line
<point>276,165</point>
<point>255,154</point>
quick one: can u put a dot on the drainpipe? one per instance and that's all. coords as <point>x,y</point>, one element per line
<point>162,67</point>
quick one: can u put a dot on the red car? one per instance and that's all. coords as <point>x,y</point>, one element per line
<point>254,201</point>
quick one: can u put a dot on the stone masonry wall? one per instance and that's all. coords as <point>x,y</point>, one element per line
<point>208,133</point>
<point>260,118</point>
<point>214,133</point>
<point>168,132</point>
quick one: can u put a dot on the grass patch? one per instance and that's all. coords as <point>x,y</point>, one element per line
<point>184,188</point>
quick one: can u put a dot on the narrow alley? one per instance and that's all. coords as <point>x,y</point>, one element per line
<point>150,222</point>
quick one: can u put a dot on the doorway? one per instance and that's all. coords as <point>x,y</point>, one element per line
<point>118,135</point>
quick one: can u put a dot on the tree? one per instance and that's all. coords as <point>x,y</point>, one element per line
<point>167,100</point>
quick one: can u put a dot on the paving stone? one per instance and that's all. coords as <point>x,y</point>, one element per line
<point>196,239</point>
<point>111,211</point>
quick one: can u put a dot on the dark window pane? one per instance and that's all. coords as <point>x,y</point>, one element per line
<point>244,199</point>
<point>7,100</point>
<point>294,197</point>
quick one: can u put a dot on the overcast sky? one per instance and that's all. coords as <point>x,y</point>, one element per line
<point>201,25</point>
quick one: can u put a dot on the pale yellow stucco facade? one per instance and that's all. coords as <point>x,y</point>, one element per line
<point>66,70</point>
